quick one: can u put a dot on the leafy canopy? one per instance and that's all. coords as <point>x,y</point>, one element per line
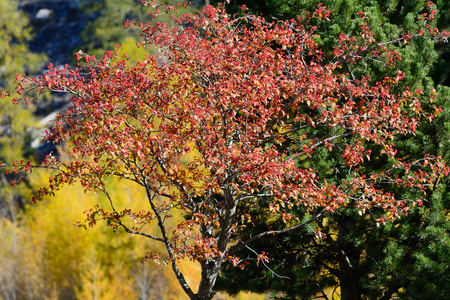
<point>228,92</point>
<point>356,259</point>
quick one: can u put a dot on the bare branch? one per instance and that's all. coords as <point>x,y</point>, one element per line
<point>281,231</point>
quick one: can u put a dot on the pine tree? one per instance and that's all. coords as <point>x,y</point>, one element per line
<point>359,258</point>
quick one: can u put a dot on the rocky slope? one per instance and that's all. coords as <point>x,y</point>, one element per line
<point>57,26</point>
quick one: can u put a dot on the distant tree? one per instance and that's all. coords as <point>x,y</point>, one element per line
<point>253,105</point>
<point>16,132</point>
<point>107,27</point>
<point>16,122</point>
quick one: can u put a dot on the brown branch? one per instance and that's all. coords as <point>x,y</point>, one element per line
<point>370,49</point>
<point>168,245</point>
<point>281,231</point>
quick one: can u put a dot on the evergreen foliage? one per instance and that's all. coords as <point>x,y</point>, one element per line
<point>359,259</point>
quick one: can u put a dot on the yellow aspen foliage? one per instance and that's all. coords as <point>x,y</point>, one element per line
<point>62,261</point>
<point>43,256</point>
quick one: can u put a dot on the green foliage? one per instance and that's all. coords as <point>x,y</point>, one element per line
<point>407,257</point>
<point>16,123</point>
<point>388,18</point>
<point>107,29</point>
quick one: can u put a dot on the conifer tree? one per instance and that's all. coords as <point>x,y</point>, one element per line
<point>357,256</point>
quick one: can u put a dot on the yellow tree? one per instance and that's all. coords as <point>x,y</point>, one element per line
<point>17,127</point>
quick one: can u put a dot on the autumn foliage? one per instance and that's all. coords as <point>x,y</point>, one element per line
<point>217,124</point>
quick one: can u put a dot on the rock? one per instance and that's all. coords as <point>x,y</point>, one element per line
<point>57,26</point>
<point>43,14</point>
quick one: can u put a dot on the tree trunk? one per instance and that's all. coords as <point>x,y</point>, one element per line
<point>210,270</point>
<point>349,274</point>
<point>349,287</point>
<point>211,267</point>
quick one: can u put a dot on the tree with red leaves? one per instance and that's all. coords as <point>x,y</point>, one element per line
<point>245,100</point>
